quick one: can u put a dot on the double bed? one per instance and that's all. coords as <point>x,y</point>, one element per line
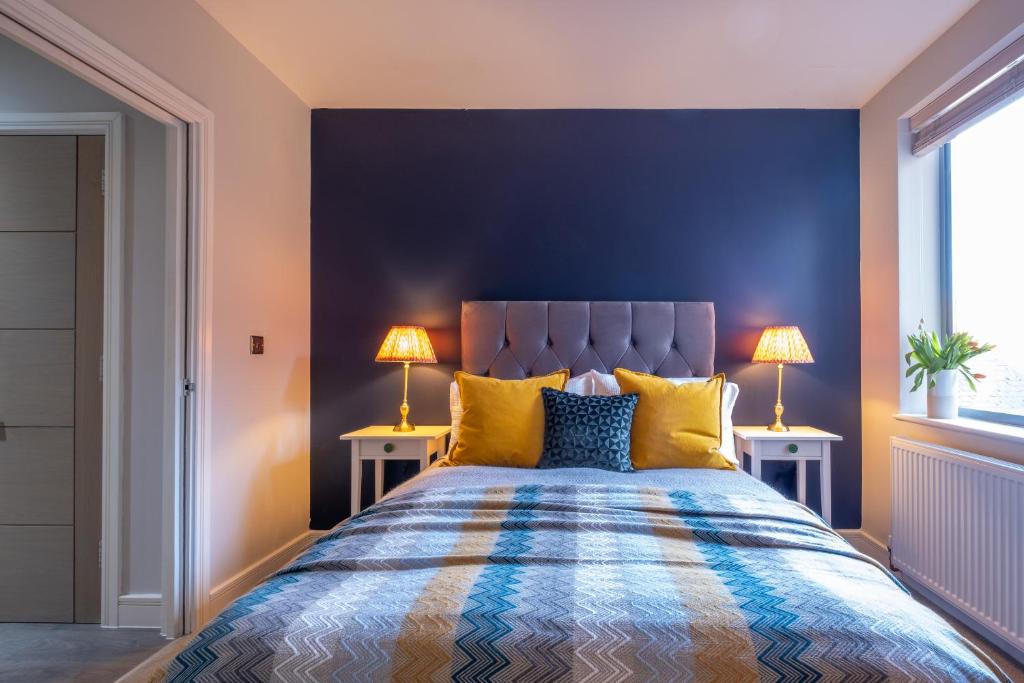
<point>499,574</point>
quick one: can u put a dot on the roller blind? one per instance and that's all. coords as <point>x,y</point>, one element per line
<point>988,88</point>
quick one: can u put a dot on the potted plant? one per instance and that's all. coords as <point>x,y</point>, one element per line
<point>943,361</point>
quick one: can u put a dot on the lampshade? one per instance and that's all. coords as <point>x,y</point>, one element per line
<point>406,344</point>
<point>782,344</point>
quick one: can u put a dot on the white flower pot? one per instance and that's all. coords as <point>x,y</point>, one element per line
<point>942,398</point>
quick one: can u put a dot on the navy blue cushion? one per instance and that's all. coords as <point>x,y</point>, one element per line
<point>587,431</point>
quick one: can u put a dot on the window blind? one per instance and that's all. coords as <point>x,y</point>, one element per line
<point>988,88</point>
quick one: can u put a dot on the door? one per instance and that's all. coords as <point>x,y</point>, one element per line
<point>51,302</point>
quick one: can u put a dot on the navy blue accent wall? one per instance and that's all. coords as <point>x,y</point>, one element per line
<point>415,210</point>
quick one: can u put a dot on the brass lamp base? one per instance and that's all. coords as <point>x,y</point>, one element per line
<point>777,425</point>
<point>405,425</point>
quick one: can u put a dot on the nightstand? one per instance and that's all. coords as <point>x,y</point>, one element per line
<point>799,445</point>
<point>382,443</point>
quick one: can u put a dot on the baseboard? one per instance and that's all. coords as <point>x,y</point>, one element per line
<point>223,594</point>
<point>139,610</point>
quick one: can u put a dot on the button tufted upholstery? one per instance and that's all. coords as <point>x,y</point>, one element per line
<point>516,339</point>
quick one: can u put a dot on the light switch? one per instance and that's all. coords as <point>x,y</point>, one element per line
<point>256,345</point>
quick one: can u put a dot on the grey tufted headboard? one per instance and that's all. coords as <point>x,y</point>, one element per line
<point>516,339</point>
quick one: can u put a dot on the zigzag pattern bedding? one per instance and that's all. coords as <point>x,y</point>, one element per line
<point>551,578</point>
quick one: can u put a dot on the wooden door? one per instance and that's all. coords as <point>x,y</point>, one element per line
<point>51,298</point>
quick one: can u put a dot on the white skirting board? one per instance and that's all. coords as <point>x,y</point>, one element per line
<point>140,610</point>
<point>223,594</point>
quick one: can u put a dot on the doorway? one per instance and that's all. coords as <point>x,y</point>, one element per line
<point>126,455</point>
<point>51,344</point>
<point>184,539</point>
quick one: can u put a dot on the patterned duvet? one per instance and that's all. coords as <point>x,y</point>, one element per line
<point>489,574</point>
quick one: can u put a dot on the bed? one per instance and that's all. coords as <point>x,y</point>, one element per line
<point>502,574</point>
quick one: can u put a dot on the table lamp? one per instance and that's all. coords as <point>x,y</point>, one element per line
<point>406,344</point>
<point>784,345</point>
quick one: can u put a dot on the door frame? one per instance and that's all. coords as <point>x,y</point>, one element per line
<point>111,126</point>
<point>49,32</point>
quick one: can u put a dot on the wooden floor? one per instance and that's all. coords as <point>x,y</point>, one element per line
<point>41,653</point>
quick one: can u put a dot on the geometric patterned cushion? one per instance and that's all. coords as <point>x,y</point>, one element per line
<point>587,431</point>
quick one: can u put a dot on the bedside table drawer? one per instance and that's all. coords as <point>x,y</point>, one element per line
<point>399,448</point>
<point>791,449</point>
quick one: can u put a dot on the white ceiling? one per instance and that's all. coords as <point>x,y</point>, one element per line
<point>586,53</point>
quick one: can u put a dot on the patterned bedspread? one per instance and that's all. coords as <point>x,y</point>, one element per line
<point>557,577</point>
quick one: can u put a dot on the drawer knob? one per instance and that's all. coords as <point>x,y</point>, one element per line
<point>792,448</point>
<point>388,447</point>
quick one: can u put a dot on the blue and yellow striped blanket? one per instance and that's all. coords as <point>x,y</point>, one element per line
<point>570,576</point>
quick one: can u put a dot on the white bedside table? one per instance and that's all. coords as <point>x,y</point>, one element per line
<point>382,443</point>
<point>799,445</point>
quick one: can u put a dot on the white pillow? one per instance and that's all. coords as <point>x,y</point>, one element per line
<point>606,385</point>
<point>582,385</point>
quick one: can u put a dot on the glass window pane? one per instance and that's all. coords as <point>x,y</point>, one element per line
<point>987,221</point>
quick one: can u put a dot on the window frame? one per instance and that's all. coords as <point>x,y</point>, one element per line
<point>946,278</point>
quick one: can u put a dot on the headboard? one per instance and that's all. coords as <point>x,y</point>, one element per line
<point>516,339</point>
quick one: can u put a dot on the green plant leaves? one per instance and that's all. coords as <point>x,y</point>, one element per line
<point>930,355</point>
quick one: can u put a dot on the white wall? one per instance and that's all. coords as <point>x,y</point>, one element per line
<point>895,247</point>
<point>572,54</point>
<point>260,265</point>
<point>30,83</point>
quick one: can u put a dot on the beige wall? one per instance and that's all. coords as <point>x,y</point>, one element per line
<point>30,83</point>
<point>260,404</point>
<point>893,205</point>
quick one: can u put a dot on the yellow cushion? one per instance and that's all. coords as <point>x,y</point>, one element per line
<point>675,426</point>
<point>502,419</point>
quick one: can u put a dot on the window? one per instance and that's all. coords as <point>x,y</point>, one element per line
<point>983,257</point>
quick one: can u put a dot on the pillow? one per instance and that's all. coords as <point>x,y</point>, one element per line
<point>587,431</point>
<point>581,384</point>
<point>605,385</point>
<point>502,419</point>
<point>675,425</point>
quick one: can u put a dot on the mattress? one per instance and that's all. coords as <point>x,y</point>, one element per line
<point>493,574</point>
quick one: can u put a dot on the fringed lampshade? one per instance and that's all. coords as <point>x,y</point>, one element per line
<point>782,344</point>
<point>406,344</point>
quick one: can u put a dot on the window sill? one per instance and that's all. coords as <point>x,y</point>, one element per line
<point>993,430</point>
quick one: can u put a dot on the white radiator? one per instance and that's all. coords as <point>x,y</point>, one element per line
<point>958,531</point>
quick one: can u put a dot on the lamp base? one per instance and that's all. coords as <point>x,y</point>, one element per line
<point>777,425</point>
<point>405,425</point>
